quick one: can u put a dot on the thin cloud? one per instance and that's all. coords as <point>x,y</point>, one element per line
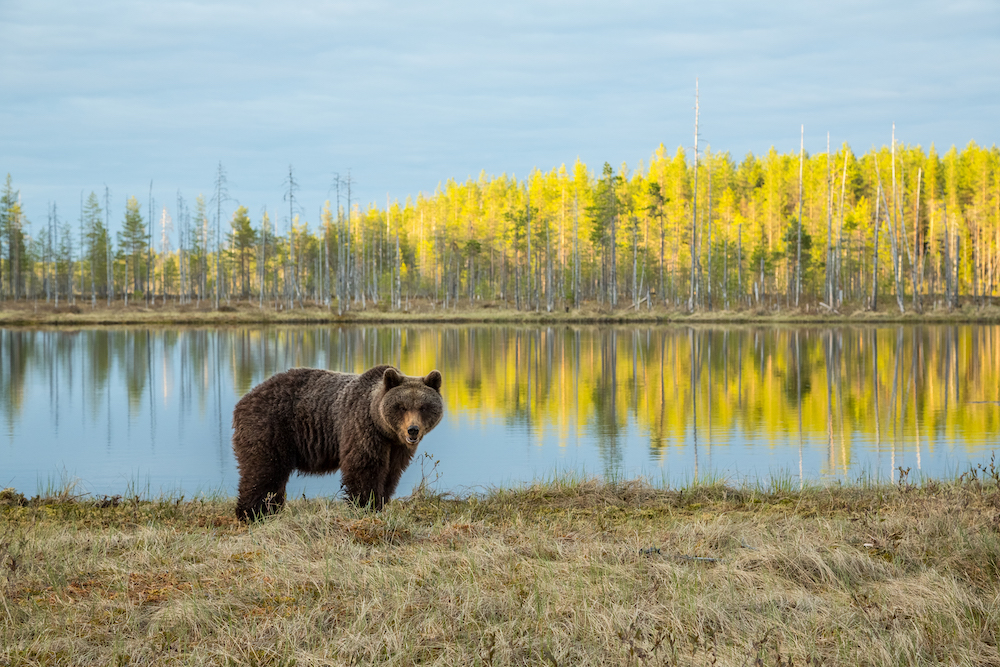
<point>408,95</point>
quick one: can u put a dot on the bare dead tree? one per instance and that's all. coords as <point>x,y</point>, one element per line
<point>798,239</point>
<point>708,235</point>
<point>829,228</point>
<point>915,263</point>
<point>576,251</point>
<point>221,194</point>
<point>892,242</point>
<point>149,247</point>
<point>874,300</point>
<point>840,228</point>
<point>694,209</point>
<point>293,289</point>
<point>107,227</point>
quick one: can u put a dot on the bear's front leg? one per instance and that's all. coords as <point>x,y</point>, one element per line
<point>364,482</point>
<point>261,491</point>
<point>399,459</point>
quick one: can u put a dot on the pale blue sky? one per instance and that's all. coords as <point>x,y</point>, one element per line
<point>407,95</point>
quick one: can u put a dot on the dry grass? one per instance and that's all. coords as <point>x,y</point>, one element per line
<point>40,313</point>
<point>567,572</point>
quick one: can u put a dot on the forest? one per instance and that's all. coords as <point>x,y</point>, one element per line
<point>898,227</point>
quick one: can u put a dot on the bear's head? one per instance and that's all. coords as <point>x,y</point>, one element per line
<point>408,407</point>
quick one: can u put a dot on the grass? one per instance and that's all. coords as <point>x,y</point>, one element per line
<point>41,313</point>
<point>566,572</point>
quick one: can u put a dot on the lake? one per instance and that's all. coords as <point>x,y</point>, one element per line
<point>148,410</point>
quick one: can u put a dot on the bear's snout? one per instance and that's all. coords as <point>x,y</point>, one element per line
<point>413,434</point>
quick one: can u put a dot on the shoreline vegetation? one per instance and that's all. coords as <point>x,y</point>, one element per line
<point>426,311</point>
<point>568,571</point>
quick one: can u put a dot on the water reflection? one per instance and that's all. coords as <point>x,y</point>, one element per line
<point>152,407</point>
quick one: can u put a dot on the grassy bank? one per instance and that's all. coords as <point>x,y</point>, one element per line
<point>568,572</point>
<point>82,313</point>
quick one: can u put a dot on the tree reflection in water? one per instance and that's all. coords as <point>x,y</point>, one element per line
<point>152,407</point>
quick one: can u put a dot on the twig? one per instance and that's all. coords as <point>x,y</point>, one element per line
<point>700,559</point>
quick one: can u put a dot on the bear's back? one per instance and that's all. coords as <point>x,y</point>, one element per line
<point>281,399</point>
<point>296,415</point>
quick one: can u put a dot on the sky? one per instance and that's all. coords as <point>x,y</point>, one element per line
<point>151,97</point>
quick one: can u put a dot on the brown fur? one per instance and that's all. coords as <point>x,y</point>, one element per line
<point>315,421</point>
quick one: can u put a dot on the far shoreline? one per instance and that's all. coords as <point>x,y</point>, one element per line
<point>425,312</point>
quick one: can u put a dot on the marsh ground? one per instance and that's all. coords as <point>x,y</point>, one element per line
<point>565,572</point>
<point>84,313</point>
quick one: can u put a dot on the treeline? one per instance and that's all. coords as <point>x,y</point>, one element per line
<point>693,232</point>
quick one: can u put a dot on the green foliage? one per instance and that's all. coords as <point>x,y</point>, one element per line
<point>604,211</point>
<point>97,250</point>
<point>790,239</point>
<point>133,242</point>
<point>243,239</point>
<point>170,274</point>
<point>12,233</point>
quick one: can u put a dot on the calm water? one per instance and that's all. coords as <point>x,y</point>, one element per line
<point>148,410</point>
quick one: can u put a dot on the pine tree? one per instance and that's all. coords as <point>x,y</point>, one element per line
<point>603,214</point>
<point>243,239</point>
<point>11,226</point>
<point>198,256</point>
<point>221,195</point>
<point>132,241</point>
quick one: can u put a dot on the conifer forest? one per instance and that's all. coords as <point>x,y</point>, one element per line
<point>898,228</point>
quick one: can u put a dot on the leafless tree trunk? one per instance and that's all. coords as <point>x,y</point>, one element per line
<point>576,251</point>
<point>399,272</point>
<point>694,209</point>
<point>946,261</point>
<point>293,287</point>
<point>840,231</point>
<point>878,222</point>
<point>897,213</point>
<point>725,264</point>
<point>915,274</point>
<point>829,228</point>
<point>149,249</point>
<point>798,241</point>
<point>107,245</point>
<point>348,250</point>
<point>263,259</point>
<point>221,193</point>
<point>549,292</point>
<point>635,262</point>
<point>892,243</point>
<point>739,259</point>
<point>532,293</point>
<point>708,240</point>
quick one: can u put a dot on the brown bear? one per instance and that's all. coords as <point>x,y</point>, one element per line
<point>316,421</point>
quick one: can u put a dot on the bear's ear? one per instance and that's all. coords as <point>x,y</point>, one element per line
<point>391,378</point>
<point>433,380</point>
